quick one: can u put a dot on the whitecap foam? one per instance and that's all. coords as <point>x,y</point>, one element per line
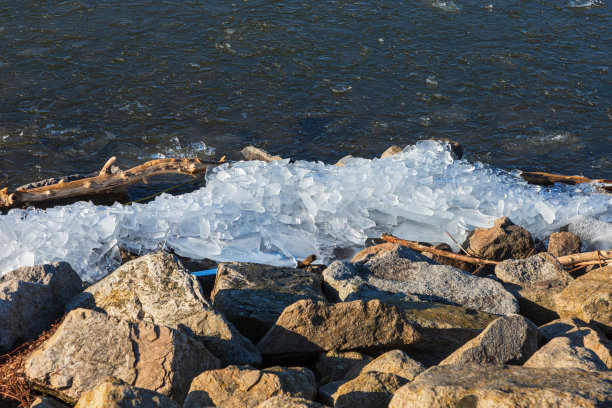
<point>276,212</point>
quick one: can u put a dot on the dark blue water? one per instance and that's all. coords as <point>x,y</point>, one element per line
<point>521,84</point>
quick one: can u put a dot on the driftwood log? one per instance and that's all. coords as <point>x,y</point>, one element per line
<point>547,179</point>
<point>104,183</point>
<point>581,259</point>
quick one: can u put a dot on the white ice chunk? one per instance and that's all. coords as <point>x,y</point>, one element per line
<point>278,212</point>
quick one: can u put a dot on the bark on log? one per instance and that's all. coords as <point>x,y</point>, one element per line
<point>575,259</point>
<point>547,179</point>
<point>104,183</point>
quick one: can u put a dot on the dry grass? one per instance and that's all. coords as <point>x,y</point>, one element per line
<point>14,389</point>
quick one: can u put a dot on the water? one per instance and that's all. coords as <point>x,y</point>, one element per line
<point>521,84</point>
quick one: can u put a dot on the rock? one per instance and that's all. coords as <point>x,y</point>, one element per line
<point>472,385</point>
<point>396,362</point>
<point>47,402</point>
<point>502,241</point>
<point>371,389</point>
<point>244,387</point>
<point>113,393</point>
<point>289,402</point>
<point>389,253</point>
<point>440,283</point>
<point>327,392</point>
<point>334,365</point>
<point>32,298</point>
<point>509,339</point>
<point>536,300</point>
<point>563,243</point>
<point>156,288</point>
<point>538,268</point>
<point>308,327</point>
<point>581,335</point>
<point>254,153</point>
<point>89,346</point>
<point>391,151</point>
<point>443,260</point>
<point>561,352</point>
<point>252,296</point>
<point>589,298</point>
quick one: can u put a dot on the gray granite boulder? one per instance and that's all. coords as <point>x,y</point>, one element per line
<point>113,393</point>
<point>542,267</point>
<point>32,298</point>
<point>246,387</point>
<point>156,288</point>
<point>90,346</point>
<point>252,296</point>
<point>472,385</point>
<point>509,339</point>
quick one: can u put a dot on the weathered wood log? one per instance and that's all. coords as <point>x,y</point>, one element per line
<point>547,179</point>
<point>104,183</point>
<point>586,258</point>
<point>424,248</point>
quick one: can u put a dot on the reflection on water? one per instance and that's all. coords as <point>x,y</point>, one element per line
<point>520,84</point>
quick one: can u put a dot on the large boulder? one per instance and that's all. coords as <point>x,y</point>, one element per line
<point>563,243</point>
<point>89,346</point>
<point>308,328</point>
<point>113,393</point>
<point>537,300</point>
<point>581,335</point>
<point>561,352</point>
<point>589,298</point>
<point>509,339</point>
<point>32,298</point>
<point>396,362</point>
<point>504,240</point>
<point>246,387</point>
<point>282,401</point>
<point>252,296</point>
<point>156,288</point>
<point>372,389</point>
<point>473,385</point>
<point>440,283</point>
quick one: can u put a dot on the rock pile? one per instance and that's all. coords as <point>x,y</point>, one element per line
<point>390,328</point>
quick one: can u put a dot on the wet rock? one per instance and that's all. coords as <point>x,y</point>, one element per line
<point>472,385</point>
<point>32,298</point>
<point>396,362</point>
<point>509,339</point>
<point>89,346</point>
<point>289,402</point>
<point>561,352</point>
<point>582,335</point>
<point>252,296</point>
<point>502,241</point>
<point>47,402</point>
<point>563,243</point>
<point>334,365</point>
<point>254,153</point>
<point>589,298</point>
<point>371,389</point>
<point>244,387</point>
<point>538,268</point>
<point>391,151</point>
<point>113,393</point>
<point>156,288</point>
<point>440,283</point>
<point>308,327</point>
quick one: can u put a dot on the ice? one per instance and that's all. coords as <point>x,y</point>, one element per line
<point>278,212</point>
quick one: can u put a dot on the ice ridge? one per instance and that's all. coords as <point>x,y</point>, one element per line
<point>276,212</point>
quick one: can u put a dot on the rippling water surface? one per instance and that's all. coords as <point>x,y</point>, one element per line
<point>522,84</point>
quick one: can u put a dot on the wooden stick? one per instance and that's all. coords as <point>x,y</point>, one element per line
<point>574,259</point>
<point>306,262</point>
<point>424,248</point>
<point>546,179</point>
<point>104,182</point>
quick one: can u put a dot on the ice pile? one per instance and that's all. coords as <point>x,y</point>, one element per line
<point>276,212</point>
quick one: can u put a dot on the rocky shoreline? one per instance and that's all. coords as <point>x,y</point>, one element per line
<point>391,327</point>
